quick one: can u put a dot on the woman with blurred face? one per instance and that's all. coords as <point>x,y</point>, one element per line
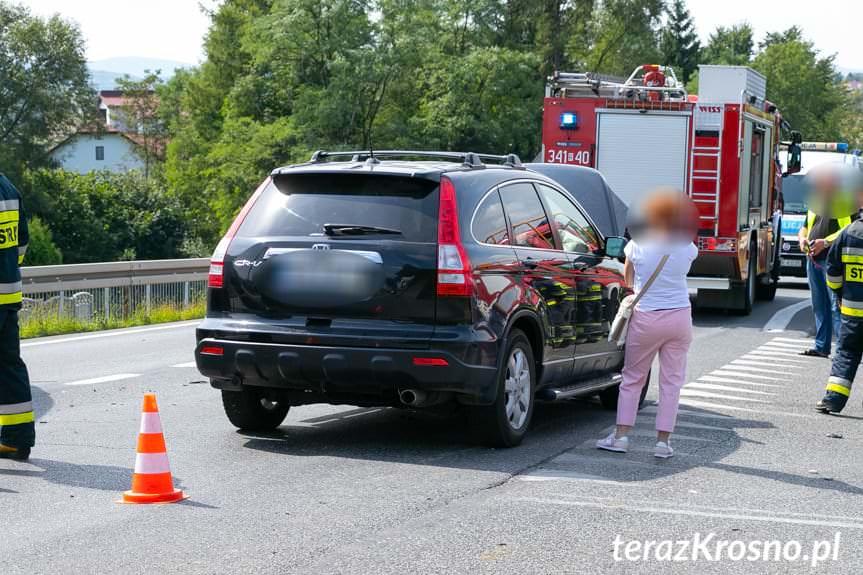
<point>661,323</point>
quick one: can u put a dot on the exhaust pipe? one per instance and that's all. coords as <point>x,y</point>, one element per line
<point>412,397</point>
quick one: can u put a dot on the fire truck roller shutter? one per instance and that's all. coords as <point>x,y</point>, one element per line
<point>639,152</point>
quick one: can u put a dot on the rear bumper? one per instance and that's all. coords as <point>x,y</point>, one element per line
<point>337,373</point>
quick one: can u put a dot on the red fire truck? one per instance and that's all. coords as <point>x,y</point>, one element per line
<point>721,147</point>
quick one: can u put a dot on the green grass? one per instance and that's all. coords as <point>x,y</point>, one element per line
<point>39,325</point>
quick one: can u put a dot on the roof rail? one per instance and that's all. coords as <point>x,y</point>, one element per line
<point>467,159</point>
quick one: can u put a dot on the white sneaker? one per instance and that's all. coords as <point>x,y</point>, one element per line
<point>663,450</point>
<point>611,443</point>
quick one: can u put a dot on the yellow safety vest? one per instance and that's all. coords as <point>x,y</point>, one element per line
<point>843,223</point>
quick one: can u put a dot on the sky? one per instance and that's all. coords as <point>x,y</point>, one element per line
<point>174,29</point>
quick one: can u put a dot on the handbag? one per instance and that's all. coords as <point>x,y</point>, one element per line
<point>620,325</point>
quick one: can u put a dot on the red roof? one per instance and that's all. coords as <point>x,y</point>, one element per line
<point>112,98</point>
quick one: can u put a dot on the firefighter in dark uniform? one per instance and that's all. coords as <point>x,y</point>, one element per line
<point>844,271</point>
<point>17,432</point>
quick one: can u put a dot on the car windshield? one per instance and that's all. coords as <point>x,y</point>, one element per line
<point>794,194</point>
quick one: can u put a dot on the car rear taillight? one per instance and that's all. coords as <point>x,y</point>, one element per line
<point>216,275</point>
<point>212,350</point>
<point>453,267</point>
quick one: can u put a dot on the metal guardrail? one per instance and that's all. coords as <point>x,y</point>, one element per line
<point>74,277</point>
<point>113,290</point>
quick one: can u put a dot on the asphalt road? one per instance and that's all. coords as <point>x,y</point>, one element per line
<point>368,491</point>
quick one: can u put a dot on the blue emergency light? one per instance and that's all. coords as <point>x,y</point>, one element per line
<point>568,121</point>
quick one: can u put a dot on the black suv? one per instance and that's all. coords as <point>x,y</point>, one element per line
<point>411,279</point>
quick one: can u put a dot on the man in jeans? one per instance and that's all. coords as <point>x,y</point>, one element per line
<point>822,228</point>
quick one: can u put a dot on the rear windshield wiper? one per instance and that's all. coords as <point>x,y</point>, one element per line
<point>356,230</point>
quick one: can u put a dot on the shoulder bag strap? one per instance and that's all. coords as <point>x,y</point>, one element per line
<point>651,279</point>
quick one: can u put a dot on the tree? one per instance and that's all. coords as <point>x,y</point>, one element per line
<point>730,45</point>
<point>679,41</point>
<point>103,216</point>
<point>141,116</point>
<point>41,250</point>
<point>803,84</point>
<point>44,90</point>
<point>624,36</point>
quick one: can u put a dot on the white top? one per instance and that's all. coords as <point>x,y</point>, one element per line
<point>669,290</point>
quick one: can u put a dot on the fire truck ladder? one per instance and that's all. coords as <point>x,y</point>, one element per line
<point>581,84</point>
<point>704,182</point>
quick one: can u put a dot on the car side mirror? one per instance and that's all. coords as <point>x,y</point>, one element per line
<point>614,247</point>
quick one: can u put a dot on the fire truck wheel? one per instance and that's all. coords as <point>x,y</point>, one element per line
<point>749,287</point>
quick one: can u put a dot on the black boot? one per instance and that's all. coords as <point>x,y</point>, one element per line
<point>832,402</point>
<point>19,454</point>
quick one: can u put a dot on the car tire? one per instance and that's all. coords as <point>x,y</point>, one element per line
<point>505,422</point>
<point>608,397</point>
<point>767,292</point>
<point>251,410</point>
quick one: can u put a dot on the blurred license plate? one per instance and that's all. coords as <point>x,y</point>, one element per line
<point>791,263</point>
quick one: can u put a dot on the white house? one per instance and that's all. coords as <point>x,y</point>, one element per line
<point>85,152</point>
<point>113,146</point>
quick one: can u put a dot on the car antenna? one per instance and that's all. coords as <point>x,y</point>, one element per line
<point>372,159</point>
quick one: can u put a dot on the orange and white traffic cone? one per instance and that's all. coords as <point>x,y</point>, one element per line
<point>151,481</point>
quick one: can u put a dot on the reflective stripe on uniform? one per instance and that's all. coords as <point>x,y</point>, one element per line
<point>16,418</point>
<point>845,310</point>
<point>7,216</point>
<point>839,385</point>
<point>834,282</point>
<point>10,288</point>
<point>9,205</point>
<point>10,293</point>
<point>852,251</point>
<point>22,251</point>
<point>851,307</point>
<point>841,389</point>
<point>851,259</point>
<point>15,408</point>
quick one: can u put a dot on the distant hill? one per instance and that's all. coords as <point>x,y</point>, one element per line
<point>105,72</point>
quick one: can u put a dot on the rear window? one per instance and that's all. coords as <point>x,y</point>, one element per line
<point>302,204</point>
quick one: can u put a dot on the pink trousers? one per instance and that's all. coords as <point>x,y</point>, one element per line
<point>664,332</point>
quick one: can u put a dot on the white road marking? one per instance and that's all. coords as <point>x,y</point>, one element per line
<point>647,433</point>
<point>702,426</point>
<point>748,366</point>
<point>768,516</point>
<point>112,333</point>
<point>736,381</point>
<point>728,373</point>
<point>187,364</point>
<point>685,392</point>
<point>765,356</point>
<point>783,317</point>
<point>780,352</point>
<point>716,387</point>
<point>694,403</point>
<point>790,346</point>
<point>766,351</point>
<point>559,475</point>
<point>104,379</point>
<point>709,405</point>
<point>788,339</point>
